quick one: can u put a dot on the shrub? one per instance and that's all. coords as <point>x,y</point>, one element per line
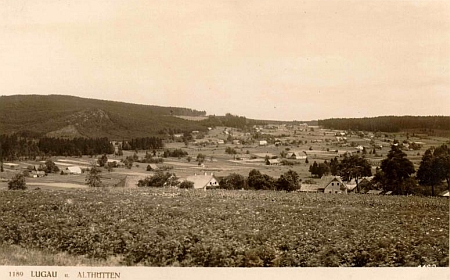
<point>17,183</point>
<point>93,178</point>
<point>232,182</point>
<point>159,180</point>
<point>186,185</point>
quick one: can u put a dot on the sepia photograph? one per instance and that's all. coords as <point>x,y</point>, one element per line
<point>224,139</point>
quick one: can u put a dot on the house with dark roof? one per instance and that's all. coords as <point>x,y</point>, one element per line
<point>333,184</point>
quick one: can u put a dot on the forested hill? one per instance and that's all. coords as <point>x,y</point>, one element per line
<point>69,116</point>
<point>390,123</point>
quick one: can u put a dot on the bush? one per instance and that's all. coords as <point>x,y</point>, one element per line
<point>159,180</point>
<point>186,185</point>
<point>93,178</point>
<point>232,182</point>
<point>230,151</point>
<point>17,183</point>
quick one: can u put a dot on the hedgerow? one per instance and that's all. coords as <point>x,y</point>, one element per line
<point>173,227</point>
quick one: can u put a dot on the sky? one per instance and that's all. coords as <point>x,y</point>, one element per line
<point>279,60</point>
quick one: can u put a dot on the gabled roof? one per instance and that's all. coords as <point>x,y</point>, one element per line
<point>74,169</point>
<point>200,181</point>
<point>326,180</point>
<point>153,166</point>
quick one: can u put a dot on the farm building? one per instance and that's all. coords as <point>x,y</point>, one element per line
<point>203,181</point>
<point>220,142</point>
<point>296,155</point>
<point>332,184</point>
<point>263,143</point>
<point>73,170</point>
<point>153,166</point>
<point>274,161</point>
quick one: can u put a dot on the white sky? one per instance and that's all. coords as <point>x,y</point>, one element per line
<point>281,60</point>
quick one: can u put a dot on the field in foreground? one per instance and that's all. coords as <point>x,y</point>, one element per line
<point>162,227</point>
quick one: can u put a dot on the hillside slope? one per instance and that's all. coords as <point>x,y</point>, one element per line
<point>69,116</point>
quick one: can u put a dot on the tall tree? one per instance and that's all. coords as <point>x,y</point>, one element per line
<point>354,167</point>
<point>435,167</point>
<point>397,168</point>
<point>93,177</point>
<point>288,181</point>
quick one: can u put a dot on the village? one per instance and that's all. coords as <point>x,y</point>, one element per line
<point>272,149</point>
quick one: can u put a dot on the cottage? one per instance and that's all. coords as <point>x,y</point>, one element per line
<point>203,181</point>
<point>333,184</point>
<point>73,170</point>
<point>220,142</point>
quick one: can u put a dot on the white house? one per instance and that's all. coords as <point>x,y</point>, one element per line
<point>203,181</point>
<point>263,143</point>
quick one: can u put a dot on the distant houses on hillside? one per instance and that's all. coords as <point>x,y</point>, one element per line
<point>335,185</point>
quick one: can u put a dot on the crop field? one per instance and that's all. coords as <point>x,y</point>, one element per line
<point>173,227</point>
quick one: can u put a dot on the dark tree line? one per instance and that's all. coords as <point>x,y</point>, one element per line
<point>289,181</point>
<point>230,120</point>
<point>388,123</point>
<point>14,147</point>
<point>145,143</point>
<point>435,167</point>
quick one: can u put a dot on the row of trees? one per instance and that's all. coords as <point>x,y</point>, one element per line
<point>289,181</point>
<point>388,123</point>
<point>14,147</point>
<point>144,143</point>
<point>230,120</point>
<point>395,172</point>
